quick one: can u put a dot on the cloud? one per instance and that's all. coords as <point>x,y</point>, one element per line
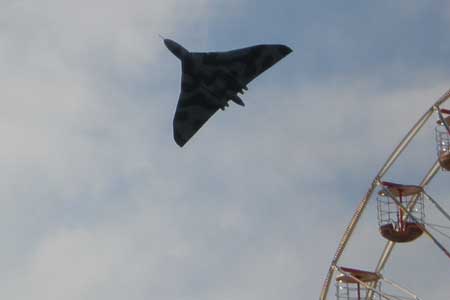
<point>99,203</point>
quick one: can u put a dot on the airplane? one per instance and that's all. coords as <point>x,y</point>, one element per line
<point>210,79</point>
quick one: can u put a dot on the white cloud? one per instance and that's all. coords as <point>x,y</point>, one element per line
<point>99,203</point>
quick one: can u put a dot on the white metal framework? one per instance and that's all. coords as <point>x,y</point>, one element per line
<point>443,140</point>
<point>372,288</point>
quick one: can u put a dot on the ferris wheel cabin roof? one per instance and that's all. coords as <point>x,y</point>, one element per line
<point>397,189</point>
<point>445,111</point>
<point>364,276</point>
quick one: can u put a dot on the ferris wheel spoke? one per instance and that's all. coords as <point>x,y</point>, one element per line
<point>442,210</point>
<point>438,225</point>
<point>432,226</point>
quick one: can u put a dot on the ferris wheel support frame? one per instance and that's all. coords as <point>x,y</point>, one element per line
<point>362,205</point>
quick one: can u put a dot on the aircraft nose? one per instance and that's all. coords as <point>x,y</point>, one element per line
<point>169,43</point>
<point>172,46</point>
<point>175,48</point>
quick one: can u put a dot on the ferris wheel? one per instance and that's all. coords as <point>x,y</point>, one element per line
<point>401,219</point>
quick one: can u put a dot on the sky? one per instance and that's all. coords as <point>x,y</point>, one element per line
<point>98,202</point>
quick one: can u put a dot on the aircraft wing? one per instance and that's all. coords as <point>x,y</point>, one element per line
<point>245,64</point>
<point>195,106</point>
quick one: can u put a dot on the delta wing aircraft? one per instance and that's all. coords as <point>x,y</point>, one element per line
<point>209,80</point>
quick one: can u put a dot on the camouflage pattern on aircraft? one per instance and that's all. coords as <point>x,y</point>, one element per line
<point>209,80</point>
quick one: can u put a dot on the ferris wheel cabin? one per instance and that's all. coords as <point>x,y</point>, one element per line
<point>351,284</point>
<point>394,223</point>
<point>443,139</point>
